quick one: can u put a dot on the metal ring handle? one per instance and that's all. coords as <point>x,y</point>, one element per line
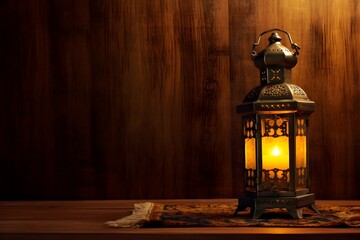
<point>293,45</point>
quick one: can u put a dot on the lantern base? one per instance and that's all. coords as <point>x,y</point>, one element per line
<point>293,205</point>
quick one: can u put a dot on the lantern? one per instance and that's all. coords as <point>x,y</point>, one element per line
<point>275,120</point>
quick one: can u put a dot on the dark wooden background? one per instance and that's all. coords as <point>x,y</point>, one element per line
<point>105,99</point>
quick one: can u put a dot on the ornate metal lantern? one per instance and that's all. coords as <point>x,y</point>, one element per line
<point>275,118</point>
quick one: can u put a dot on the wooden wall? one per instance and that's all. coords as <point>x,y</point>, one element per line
<point>108,99</point>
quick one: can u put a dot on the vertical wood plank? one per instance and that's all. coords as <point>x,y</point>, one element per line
<point>173,96</point>
<point>71,78</point>
<point>336,89</point>
<point>26,110</point>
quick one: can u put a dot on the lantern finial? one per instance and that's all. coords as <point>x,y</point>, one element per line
<point>275,61</point>
<point>275,37</point>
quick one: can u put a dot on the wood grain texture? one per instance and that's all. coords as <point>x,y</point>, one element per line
<point>85,220</point>
<point>136,99</point>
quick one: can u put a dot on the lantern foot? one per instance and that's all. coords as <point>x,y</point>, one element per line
<point>314,208</point>
<point>294,205</point>
<point>296,213</point>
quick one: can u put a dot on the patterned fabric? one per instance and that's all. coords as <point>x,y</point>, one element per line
<point>221,215</point>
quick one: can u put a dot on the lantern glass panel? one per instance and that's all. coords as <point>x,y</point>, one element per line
<point>275,142</point>
<point>250,143</point>
<point>250,153</point>
<point>301,155</point>
<point>300,151</point>
<point>275,153</point>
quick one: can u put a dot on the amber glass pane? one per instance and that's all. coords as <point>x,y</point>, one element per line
<point>300,151</point>
<point>250,153</point>
<point>275,143</point>
<point>301,168</point>
<point>275,153</point>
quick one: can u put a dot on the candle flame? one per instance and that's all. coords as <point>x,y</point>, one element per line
<point>276,152</point>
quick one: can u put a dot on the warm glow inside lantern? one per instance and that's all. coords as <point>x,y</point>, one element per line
<point>275,131</point>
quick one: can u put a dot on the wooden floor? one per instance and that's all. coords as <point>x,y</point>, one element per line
<point>85,220</point>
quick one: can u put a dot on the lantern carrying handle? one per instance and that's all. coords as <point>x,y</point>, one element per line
<point>293,45</point>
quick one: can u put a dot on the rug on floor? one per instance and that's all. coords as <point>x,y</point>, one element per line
<point>150,214</point>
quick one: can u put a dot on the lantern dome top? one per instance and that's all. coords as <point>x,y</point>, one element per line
<point>275,54</point>
<point>276,92</point>
<point>276,97</point>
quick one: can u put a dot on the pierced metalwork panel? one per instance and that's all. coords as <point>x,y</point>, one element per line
<point>249,127</point>
<point>301,127</point>
<point>274,106</point>
<point>276,75</point>
<point>275,179</point>
<point>275,126</point>
<point>278,90</point>
<point>250,178</point>
<point>301,174</point>
<point>297,90</point>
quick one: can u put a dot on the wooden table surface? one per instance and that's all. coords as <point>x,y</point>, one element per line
<point>85,220</point>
